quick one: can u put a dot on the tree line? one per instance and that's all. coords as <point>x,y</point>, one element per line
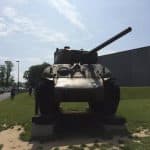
<point>32,75</point>
<point>6,79</point>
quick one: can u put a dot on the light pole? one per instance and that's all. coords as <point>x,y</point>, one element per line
<point>18,74</point>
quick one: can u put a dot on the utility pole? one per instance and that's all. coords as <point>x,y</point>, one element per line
<point>18,75</point>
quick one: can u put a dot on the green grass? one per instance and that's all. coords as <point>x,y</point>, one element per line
<point>136,112</point>
<point>74,106</point>
<point>17,111</point>
<point>1,146</point>
<point>135,93</point>
<point>134,106</point>
<point>144,145</point>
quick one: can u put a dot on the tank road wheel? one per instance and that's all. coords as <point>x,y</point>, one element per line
<point>45,98</point>
<point>111,97</point>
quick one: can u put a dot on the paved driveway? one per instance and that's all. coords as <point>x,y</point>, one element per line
<point>4,96</point>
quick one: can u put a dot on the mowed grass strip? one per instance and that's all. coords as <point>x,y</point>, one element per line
<point>17,111</point>
<point>135,106</point>
<point>135,93</point>
<point>74,106</point>
<point>137,113</point>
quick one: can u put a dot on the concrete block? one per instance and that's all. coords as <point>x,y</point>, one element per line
<point>42,130</point>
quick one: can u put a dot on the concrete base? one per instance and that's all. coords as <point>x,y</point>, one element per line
<point>42,131</point>
<point>114,127</point>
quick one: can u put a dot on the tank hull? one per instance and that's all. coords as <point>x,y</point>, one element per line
<point>78,87</point>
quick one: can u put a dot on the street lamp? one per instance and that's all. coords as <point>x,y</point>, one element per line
<point>18,74</point>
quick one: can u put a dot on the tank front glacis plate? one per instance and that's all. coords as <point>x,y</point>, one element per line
<point>75,83</point>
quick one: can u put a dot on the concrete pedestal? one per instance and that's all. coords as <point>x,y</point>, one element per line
<point>42,127</point>
<point>42,130</point>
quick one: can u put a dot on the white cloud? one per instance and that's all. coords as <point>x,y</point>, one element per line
<point>9,12</point>
<point>12,23</point>
<point>19,1</point>
<point>68,10</point>
<point>13,2</point>
<point>3,58</point>
<point>3,31</point>
<point>32,60</point>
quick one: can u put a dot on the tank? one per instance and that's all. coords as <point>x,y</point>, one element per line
<point>76,76</point>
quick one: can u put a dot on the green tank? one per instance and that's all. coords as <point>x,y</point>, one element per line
<point>76,76</point>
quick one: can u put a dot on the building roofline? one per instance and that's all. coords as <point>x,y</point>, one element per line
<point>125,51</point>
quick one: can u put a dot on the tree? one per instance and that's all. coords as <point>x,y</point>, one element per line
<point>11,80</point>
<point>9,67</point>
<point>2,74</point>
<point>26,77</point>
<point>33,75</point>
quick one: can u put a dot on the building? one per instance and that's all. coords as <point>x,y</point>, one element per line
<point>130,68</point>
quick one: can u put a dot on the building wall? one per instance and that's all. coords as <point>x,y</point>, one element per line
<point>130,68</point>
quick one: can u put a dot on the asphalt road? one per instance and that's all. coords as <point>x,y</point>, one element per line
<point>4,96</point>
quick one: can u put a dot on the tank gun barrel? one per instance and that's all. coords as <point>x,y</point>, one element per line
<point>109,41</point>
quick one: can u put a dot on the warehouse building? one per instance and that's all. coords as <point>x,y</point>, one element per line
<point>130,68</point>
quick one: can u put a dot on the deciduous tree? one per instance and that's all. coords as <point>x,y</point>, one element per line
<point>9,67</point>
<point>33,75</point>
<point>2,74</point>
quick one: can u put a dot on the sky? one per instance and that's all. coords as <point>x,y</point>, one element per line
<point>31,30</point>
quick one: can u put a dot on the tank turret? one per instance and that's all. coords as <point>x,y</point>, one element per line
<point>68,56</point>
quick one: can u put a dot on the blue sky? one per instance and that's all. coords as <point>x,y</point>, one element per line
<point>30,30</point>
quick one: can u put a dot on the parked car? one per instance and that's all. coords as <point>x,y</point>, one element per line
<point>22,89</point>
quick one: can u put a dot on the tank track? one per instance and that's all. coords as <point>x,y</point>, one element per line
<point>109,105</point>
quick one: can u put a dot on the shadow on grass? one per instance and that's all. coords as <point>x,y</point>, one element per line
<point>76,129</point>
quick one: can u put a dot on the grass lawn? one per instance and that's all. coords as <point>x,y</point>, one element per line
<point>134,106</point>
<point>17,111</point>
